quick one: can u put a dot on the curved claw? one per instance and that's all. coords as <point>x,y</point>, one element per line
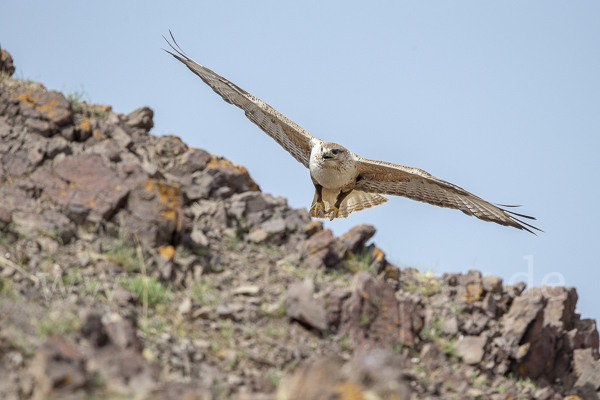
<point>318,207</point>
<point>333,213</point>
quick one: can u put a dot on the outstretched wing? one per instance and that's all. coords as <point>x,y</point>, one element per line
<point>285,132</point>
<point>416,184</point>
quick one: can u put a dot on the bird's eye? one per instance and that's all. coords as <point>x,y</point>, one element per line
<point>335,152</point>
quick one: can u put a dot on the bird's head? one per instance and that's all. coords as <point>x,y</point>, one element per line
<point>332,152</point>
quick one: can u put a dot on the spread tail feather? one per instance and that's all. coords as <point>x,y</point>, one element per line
<point>356,201</point>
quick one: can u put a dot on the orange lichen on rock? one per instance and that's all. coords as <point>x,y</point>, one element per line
<point>48,109</point>
<point>167,252</point>
<point>313,227</point>
<point>85,125</point>
<point>174,137</point>
<point>378,254</point>
<point>104,108</point>
<point>473,293</point>
<point>392,272</point>
<point>28,98</point>
<point>169,199</point>
<point>221,163</point>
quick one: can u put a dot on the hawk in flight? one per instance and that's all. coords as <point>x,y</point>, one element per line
<point>345,182</point>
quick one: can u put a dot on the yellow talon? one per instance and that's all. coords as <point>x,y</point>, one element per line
<point>318,207</point>
<point>333,213</point>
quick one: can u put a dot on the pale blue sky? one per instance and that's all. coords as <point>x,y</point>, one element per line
<point>500,98</point>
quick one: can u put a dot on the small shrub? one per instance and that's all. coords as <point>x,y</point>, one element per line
<point>59,323</point>
<point>119,253</point>
<point>157,292</point>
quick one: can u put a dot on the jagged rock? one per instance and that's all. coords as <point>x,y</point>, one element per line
<point>353,241</point>
<point>59,370</point>
<point>169,147</point>
<point>524,310</point>
<point>194,160</point>
<point>302,306</point>
<point>476,323</point>
<point>587,328</point>
<point>40,127</point>
<point>537,328</point>
<point>108,150</point>
<point>50,106</point>
<point>82,129</point>
<point>371,314</point>
<point>121,138</point>
<point>318,243</point>
<point>255,207</point>
<point>155,212</point>
<point>20,163</point>
<point>514,290</point>
<point>411,320</point>
<point>492,284</point>
<point>334,308</point>
<point>586,369</point>
<point>58,145</point>
<point>227,175</point>
<point>489,304</point>
<point>471,349</point>
<point>274,226</point>
<point>560,306</point>
<point>83,187</point>
<point>6,63</point>
<point>317,253</point>
<point>16,199</point>
<point>470,287</point>
<point>140,118</point>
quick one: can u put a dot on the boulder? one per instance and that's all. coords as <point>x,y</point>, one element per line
<point>300,305</point>
<point>586,369</point>
<point>83,187</point>
<point>6,63</point>
<point>140,118</point>
<point>371,314</point>
<point>471,349</point>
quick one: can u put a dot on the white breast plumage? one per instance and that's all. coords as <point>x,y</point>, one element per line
<point>330,177</point>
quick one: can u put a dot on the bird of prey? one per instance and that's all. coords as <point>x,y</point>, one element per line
<point>345,182</point>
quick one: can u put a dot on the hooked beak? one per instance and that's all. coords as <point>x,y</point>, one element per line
<point>326,156</point>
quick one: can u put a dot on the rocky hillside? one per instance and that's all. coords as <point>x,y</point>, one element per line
<point>135,267</point>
